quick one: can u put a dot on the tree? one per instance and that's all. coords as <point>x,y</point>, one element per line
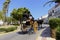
<point>8,20</point>
<point>51,1</point>
<point>18,13</point>
<point>11,20</point>
<point>5,8</point>
<point>14,14</point>
<point>1,15</point>
<point>53,31</point>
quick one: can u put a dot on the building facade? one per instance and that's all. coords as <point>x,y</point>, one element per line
<point>54,12</point>
<point>44,18</point>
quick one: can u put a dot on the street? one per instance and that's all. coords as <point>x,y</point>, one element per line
<point>20,36</point>
<point>17,36</point>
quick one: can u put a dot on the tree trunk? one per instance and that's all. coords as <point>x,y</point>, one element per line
<point>21,23</point>
<point>4,19</point>
<point>53,33</point>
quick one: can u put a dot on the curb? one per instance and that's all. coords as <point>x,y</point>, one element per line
<point>43,38</point>
<point>39,33</point>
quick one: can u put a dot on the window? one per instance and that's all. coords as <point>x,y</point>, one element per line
<point>52,11</point>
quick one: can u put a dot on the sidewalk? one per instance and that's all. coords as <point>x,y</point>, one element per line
<point>44,34</point>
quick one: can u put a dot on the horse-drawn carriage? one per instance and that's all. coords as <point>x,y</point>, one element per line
<point>27,24</point>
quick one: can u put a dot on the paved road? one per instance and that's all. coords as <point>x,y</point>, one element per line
<point>19,36</point>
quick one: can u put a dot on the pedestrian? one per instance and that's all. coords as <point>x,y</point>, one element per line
<point>35,26</point>
<point>40,23</point>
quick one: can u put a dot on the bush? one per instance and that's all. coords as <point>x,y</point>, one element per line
<point>54,22</point>
<point>58,34</point>
<point>2,29</point>
<point>9,29</point>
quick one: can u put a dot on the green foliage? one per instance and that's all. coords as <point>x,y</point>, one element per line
<point>9,29</point>
<point>15,15</point>
<point>51,1</point>
<point>56,1</point>
<point>58,33</point>
<point>58,29</point>
<point>10,19</point>
<point>18,13</point>
<point>5,8</point>
<point>1,15</point>
<point>54,22</point>
<point>2,29</point>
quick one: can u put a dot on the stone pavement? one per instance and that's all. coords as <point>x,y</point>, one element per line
<point>44,34</point>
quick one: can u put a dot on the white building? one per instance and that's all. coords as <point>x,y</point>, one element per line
<point>54,12</point>
<point>45,18</point>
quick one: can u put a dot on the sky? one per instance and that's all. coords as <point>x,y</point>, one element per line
<point>35,6</point>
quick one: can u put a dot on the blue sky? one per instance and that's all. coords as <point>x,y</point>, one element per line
<point>35,6</point>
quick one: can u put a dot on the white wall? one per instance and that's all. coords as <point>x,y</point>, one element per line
<point>1,22</point>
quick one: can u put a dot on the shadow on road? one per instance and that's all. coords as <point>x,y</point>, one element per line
<point>46,32</point>
<point>30,31</point>
<point>22,33</point>
<point>39,28</point>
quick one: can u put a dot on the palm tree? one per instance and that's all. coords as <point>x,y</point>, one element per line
<point>1,15</point>
<point>5,8</point>
<point>51,1</point>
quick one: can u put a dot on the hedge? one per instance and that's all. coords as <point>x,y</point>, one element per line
<point>2,29</point>
<point>58,33</point>
<point>54,22</point>
<point>55,25</point>
<point>9,29</point>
